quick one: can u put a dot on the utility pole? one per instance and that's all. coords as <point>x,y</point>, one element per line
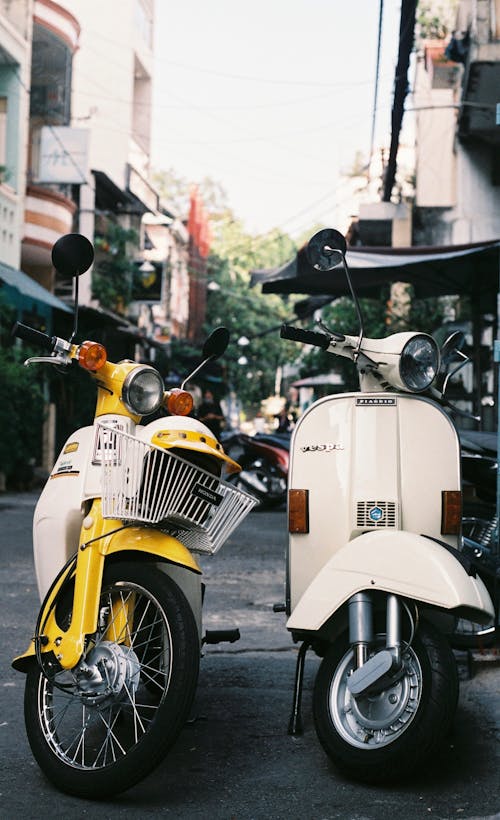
<point>406,35</point>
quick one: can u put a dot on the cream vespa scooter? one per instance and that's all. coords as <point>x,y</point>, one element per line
<point>375,576</point>
<point>112,668</point>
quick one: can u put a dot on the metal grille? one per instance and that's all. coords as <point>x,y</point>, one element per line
<point>373,514</point>
<point>142,482</point>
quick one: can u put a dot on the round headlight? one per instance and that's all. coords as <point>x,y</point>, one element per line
<point>142,391</point>
<point>419,363</point>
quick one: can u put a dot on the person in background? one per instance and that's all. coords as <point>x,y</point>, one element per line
<point>285,420</point>
<point>210,413</point>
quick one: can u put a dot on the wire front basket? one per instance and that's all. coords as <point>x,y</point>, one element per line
<point>143,482</point>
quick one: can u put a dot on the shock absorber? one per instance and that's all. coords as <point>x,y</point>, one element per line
<point>360,626</point>
<point>369,674</point>
<point>393,628</point>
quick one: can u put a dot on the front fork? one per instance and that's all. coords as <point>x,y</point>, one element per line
<point>368,672</point>
<point>68,646</point>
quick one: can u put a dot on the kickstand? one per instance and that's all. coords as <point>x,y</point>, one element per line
<point>295,723</point>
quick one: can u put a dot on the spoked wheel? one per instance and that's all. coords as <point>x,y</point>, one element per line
<point>386,735</point>
<point>103,726</point>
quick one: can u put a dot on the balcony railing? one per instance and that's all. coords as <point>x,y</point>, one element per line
<point>48,215</point>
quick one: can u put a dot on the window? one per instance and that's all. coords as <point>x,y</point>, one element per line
<point>50,78</point>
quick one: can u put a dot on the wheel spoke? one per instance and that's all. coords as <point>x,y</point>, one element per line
<point>77,739</point>
<point>153,675</point>
<point>110,739</point>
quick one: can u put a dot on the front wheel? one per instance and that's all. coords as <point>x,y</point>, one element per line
<point>386,736</point>
<point>103,726</point>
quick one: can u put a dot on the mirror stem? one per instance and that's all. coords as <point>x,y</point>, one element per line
<point>357,306</point>
<point>75,326</point>
<point>193,374</point>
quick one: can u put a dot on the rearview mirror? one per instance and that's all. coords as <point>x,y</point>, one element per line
<point>451,346</point>
<point>216,343</point>
<point>72,255</point>
<point>326,249</point>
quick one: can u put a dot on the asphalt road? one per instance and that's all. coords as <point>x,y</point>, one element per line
<point>235,760</point>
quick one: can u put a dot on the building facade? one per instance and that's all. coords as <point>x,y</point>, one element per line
<point>16,21</point>
<point>457,82</point>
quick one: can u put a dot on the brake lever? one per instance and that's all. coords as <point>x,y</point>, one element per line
<point>336,337</point>
<point>48,359</point>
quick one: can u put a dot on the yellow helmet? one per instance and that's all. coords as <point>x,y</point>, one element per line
<point>186,433</point>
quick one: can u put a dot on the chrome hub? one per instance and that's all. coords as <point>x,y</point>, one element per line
<point>109,673</point>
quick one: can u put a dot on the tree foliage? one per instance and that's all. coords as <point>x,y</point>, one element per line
<point>435,19</point>
<point>245,311</point>
<point>21,403</point>
<point>248,314</point>
<point>114,269</point>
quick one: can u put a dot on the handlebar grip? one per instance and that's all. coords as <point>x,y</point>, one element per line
<point>309,337</point>
<point>29,334</point>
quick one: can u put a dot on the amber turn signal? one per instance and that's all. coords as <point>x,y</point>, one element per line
<point>92,356</point>
<point>179,402</point>
<point>298,511</point>
<point>451,512</point>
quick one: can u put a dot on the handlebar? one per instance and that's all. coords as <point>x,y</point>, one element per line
<point>309,337</point>
<point>29,334</point>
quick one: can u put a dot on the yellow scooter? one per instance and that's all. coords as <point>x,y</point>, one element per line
<point>113,664</point>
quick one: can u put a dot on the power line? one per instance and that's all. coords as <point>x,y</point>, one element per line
<point>377,73</point>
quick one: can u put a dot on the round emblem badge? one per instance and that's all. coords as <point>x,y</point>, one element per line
<point>376,514</point>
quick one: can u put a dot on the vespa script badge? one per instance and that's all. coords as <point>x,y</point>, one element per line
<point>321,448</point>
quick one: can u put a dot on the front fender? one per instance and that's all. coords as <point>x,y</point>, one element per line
<point>130,539</point>
<point>152,542</point>
<point>393,561</point>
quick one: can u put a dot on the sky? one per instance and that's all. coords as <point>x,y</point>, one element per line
<point>272,99</point>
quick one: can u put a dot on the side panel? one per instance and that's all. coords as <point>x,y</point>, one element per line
<point>58,515</point>
<point>370,461</point>
<point>75,478</point>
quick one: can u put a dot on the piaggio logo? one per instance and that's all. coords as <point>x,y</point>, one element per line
<point>376,402</point>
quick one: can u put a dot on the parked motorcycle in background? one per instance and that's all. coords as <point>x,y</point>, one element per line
<point>375,576</point>
<point>264,465</point>
<point>112,668</point>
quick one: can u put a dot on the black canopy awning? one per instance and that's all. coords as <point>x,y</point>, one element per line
<point>436,271</point>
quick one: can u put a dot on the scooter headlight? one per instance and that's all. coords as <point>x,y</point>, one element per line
<point>419,363</point>
<point>142,391</point>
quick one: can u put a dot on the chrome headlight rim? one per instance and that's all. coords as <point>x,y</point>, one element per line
<point>419,363</point>
<point>130,384</point>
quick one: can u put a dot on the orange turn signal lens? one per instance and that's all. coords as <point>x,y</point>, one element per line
<point>298,511</point>
<point>451,512</point>
<point>92,356</point>
<point>179,402</point>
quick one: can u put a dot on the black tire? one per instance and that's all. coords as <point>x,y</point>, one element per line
<point>93,742</point>
<point>372,739</point>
